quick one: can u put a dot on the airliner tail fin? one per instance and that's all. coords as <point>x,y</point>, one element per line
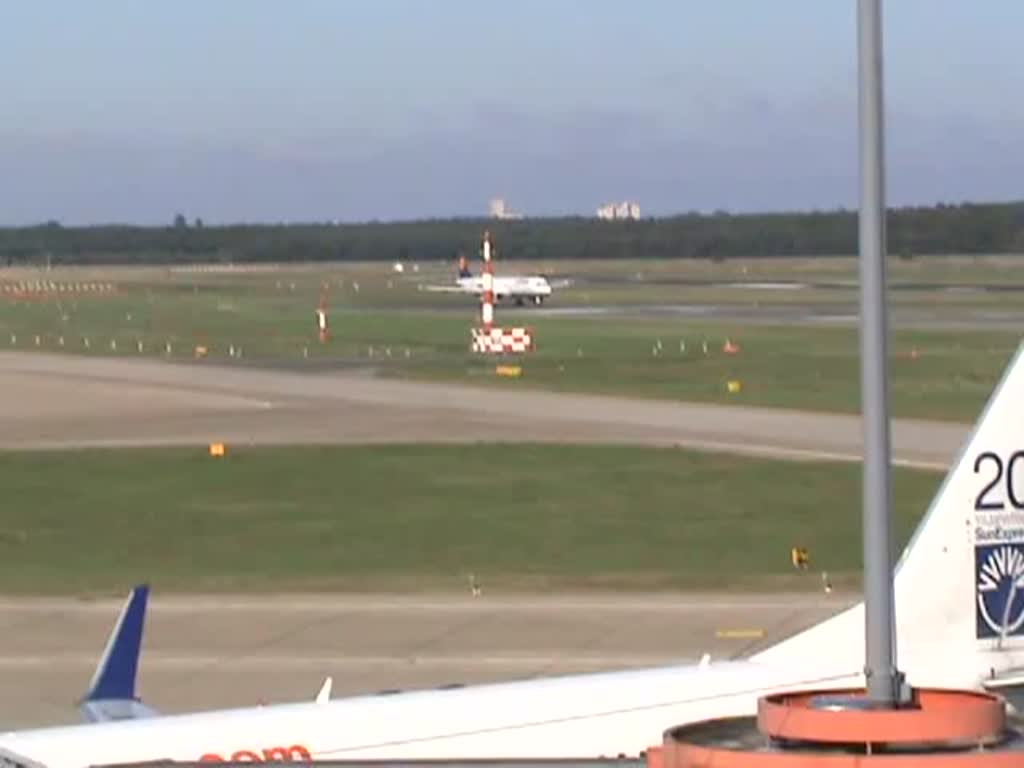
<point>111,694</point>
<point>959,584</point>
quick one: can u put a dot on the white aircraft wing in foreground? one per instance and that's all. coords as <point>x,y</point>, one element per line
<point>959,589</point>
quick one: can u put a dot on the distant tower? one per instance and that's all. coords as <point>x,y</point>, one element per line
<point>627,209</point>
<point>500,210</point>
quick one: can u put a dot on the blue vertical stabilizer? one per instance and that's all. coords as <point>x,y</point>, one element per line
<point>111,693</point>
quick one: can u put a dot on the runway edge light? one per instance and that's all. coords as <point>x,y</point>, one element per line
<point>218,450</point>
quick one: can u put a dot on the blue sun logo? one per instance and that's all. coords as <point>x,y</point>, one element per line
<point>999,579</point>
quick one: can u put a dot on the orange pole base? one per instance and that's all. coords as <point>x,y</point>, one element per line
<point>940,729</point>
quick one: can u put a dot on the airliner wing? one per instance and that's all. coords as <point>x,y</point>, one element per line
<point>111,694</point>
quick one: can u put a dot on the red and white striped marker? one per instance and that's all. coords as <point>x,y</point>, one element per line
<point>489,339</point>
<point>503,340</point>
<point>321,315</point>
<point>487,278</point>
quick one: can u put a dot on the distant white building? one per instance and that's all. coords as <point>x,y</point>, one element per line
<point>624,210</point>
<point>501,211</point>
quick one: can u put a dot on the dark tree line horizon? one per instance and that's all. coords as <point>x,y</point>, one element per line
<point>968,228</point>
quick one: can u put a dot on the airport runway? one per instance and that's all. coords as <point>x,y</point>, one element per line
<point>208,652</point>
<point>51,401</point>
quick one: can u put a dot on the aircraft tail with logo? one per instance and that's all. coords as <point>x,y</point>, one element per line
<point>959,584</point>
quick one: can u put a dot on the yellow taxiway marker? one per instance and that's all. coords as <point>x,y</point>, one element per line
<point>738,634</point>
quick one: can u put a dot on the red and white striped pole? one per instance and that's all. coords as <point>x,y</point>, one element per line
<point>321,315</point>
<point>487,297</point>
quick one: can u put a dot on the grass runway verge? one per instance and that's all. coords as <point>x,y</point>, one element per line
<point>933,374</point>
<point>382,321</point>
<point>406,518</point>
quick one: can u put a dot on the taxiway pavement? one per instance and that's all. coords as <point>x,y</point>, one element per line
<point>52,401</point>
<point>210,652</point>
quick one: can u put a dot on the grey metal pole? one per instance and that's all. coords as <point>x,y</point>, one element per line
<point>882,677</point>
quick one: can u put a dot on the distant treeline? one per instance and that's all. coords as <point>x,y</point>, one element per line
<point>943,229</point>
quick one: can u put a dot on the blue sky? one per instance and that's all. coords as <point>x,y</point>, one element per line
<point>285,110</point>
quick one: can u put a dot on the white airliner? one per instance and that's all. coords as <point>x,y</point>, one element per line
<point>959,609</point>
<point>517,288</point>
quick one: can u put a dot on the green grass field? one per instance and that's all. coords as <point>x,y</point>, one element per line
<point>267,318</point>
<point>950,378</point>
<point>424,517</point>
